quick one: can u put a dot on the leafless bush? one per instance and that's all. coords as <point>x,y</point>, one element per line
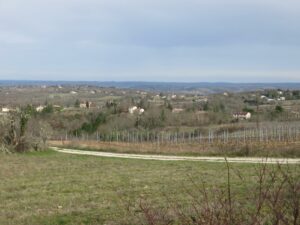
<point>274,199</point>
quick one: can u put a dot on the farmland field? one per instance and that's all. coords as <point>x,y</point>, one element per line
<point>54,188</point>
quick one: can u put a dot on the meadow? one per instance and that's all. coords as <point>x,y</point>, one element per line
<point>55,188</point>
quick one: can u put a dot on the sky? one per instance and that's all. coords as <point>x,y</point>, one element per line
<point>150,40</point>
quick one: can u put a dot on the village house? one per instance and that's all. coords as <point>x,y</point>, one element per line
<point>156,98</point>
<point>39,108</point>
<point>281,99</point>
<point>57,107</point>
<point>86,105</point>
<point>202,100</point>
<point>5,110</point>
<point>242,115</point>
<point>177,110</point>
<point>134,109</point>
<point>270,100</point>
<point>141,111</point>
<point>82,105</point>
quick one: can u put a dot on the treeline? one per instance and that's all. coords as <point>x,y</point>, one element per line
<point>91,126</point>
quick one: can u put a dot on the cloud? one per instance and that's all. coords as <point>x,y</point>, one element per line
<point>157,23</point>
<point>126,36</point>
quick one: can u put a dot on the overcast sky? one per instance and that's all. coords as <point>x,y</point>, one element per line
<point>150,40</point>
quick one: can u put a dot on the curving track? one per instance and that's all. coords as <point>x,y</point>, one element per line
<point>180,158</point>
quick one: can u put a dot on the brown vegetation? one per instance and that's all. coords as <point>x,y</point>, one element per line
<point>274,200</point>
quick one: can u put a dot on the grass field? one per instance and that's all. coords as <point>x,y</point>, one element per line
<point>55,188</point>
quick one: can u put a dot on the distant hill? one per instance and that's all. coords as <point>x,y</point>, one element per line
<point>201,87</point>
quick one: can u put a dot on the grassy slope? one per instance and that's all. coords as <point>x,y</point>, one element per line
<point>55,188</point>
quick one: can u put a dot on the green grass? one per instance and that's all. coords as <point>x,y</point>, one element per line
<point>55,188</point>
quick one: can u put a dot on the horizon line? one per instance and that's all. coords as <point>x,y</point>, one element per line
<point>148,81</point>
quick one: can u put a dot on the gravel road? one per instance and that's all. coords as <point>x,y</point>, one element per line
<point>180,158</point>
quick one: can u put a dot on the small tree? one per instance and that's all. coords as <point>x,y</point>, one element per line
<point>77,103</point>
<point>48,109</point>
<point>279,109</point>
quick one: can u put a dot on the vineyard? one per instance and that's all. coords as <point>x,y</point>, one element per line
<point>265,141</point>
<point>264,134</point>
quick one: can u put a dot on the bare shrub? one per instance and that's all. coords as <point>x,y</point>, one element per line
<point>274,199</point>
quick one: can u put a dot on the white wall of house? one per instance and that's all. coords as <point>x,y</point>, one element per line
<point>82,105</point>
<point>245,116</point>
<point>5,109</point>
<point>39,108</point>
<point>132,109</point>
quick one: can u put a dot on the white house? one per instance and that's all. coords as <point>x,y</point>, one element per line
<point>132,109</point>
<point>5,110</point>
<point>281,99</point>
<point>202,100</point>
<point>177,110</point>
<point>82,105</point>
<point>242,115</point>
<point>86,104</point>
<point>39,108</point>
<point>141,111</point>
<point>271,100</point>
<point>156,98</point>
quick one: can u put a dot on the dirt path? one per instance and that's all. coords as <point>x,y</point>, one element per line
<point>179,158</point>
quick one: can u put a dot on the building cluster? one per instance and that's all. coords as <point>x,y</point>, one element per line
<point>87,105</point>
<point>135,109</point>
<point>242,115</point>
<point>5,110</point>
<point>279,98</point>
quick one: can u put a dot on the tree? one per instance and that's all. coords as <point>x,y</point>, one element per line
<point>48,109</point>
<point>38,132</point>
<point>279,109</point>
<point>162,116</point>
<point>16,138</point>
<point>77,103</point>
<point>169,106</point>
<point>206,106</point>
